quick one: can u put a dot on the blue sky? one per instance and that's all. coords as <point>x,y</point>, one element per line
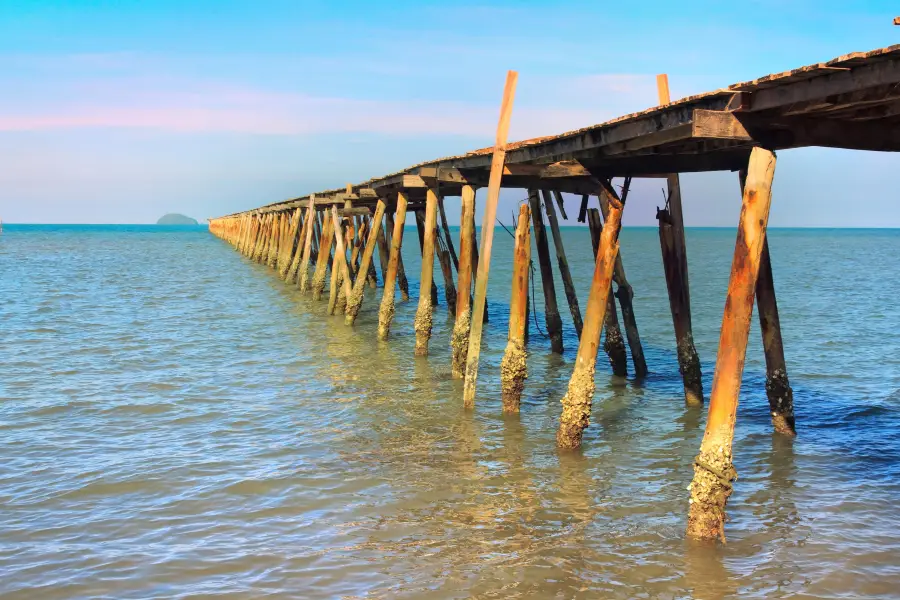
<point>120,111</point>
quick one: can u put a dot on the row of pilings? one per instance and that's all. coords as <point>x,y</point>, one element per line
<point>323,248</point>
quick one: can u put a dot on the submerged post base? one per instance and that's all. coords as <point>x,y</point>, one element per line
<point>710,490</point>
<point>423,325</point>
<point>459,344</point>
<point>513,373</point>
<point>781,402</point>
<point>576,414</point>
<point>689,364</point>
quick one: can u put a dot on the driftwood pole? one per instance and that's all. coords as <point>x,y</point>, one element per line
<point>674,256</point>
<point>713,468</point>
<point>562,261</point>
<point>459,342</point>
<point>424,313</point>
<point>514,366</point>
<point>625,294</point>
<point>325,242</point>
<point>487,238</point>
<point>354,301</point>
<point>576,403</point>
<point>303,264</point>
<point>551,310</point>
<point>778,388</point>
<point>386,311</point>
<point>614,345</point>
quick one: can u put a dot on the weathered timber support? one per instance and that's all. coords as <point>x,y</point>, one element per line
<point>402,282</point>
<point>459,341</point>
<point>487,239</point>
<point>713,468</point>
<point>424,313</point>
<point>420,227</point>
<point>625,295</point>
<point>345,269</point>
<point>274,240</point>
<point>386,311</point>
<point>317,237</point>
<point>562,261</point>
<point>778,388</point>
<point>551,310</point>
<point>384,252</point>
<point>259,242</point>
<point>576,403</point>
<point>340,270</point>
<point>443,256</point>
<point>514,366</point>
<point>305,253</point>
<point>674,255</point>
<point>614,344</point>
<point>325,242</point>
<point>446,228</point>
<point>291,248</point>
<point>356,296</point>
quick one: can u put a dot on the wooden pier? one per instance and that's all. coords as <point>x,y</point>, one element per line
<point>850,102</point>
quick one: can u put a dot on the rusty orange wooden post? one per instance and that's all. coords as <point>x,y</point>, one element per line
<point>487,238</point>
<point>576,403</point>
<point>386,310</point>
<point>713,468</point>
<point>459,341</point>
<point>425,309</point>
<point>514,366</point>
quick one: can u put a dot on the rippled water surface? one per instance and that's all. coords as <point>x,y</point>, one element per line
<point>177,422</point>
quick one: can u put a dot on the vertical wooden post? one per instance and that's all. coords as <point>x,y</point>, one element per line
<point>778,388</point>
<point>354,301</point>
<point>551,310</point>
<point>274,239</point>
<point>317,236</point>
<point>713,468</point>
<point>459,341</point>
<point>340,271</point>
<point>344,268</point>
<point>386,310</point>
<point>562,261</point>
<point>402,282</point>
<point>384,252</point>
<point>614,345</point>
<point>487,238</point>
<point>576,403</point>
<point>446,263</point>
<point>514,366</point>
<point>288,248</point>
<point>674,255</point>
<point>425,310</point>
<point>325,242</point>
<point>304,250</point>
<point>420,228</point>
<point>625,295</point>
<point>446,227</point>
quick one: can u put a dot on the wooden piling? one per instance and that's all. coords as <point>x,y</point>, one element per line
<point>447,238</point>
<point>354,301</point>
<point>325,242</point>
<point>346,270</point>
<point>301,271</point>
<point>576,403</point>
<point>424,313</point>
<point>674,255</point>
<point>614,344</point>
<point>290,247</point>
<point>420,228</point>
<point>551,310</point>
<point>384,252</point>
<point>713,468</point>
<point>340,271</point>
<point>402,282</point>
<point>562,261</point>
<point>386,310</point>
<point>446,263</point>
<point>459,341</point>
<point>778,387</point>
<point>514,367</point>
<point>625,295</point>
<point>487,239</point>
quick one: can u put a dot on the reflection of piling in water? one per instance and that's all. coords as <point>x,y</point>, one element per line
<point>846,103</point>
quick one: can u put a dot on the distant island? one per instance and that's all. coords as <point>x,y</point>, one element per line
<point>176,219</point>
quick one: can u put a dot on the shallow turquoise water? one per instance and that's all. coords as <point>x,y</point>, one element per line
<point>177,422</point>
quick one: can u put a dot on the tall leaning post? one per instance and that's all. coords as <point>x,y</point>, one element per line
<point>487,239</point>
<point>425,310</point>
<point>778,387</point>
<point>674,255</point>
<point>514,365</point>
<point>576,403</point>
<point>386,310</point>
<point>713,468</point>
<point>459,342</point>
<point>354,300</point>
